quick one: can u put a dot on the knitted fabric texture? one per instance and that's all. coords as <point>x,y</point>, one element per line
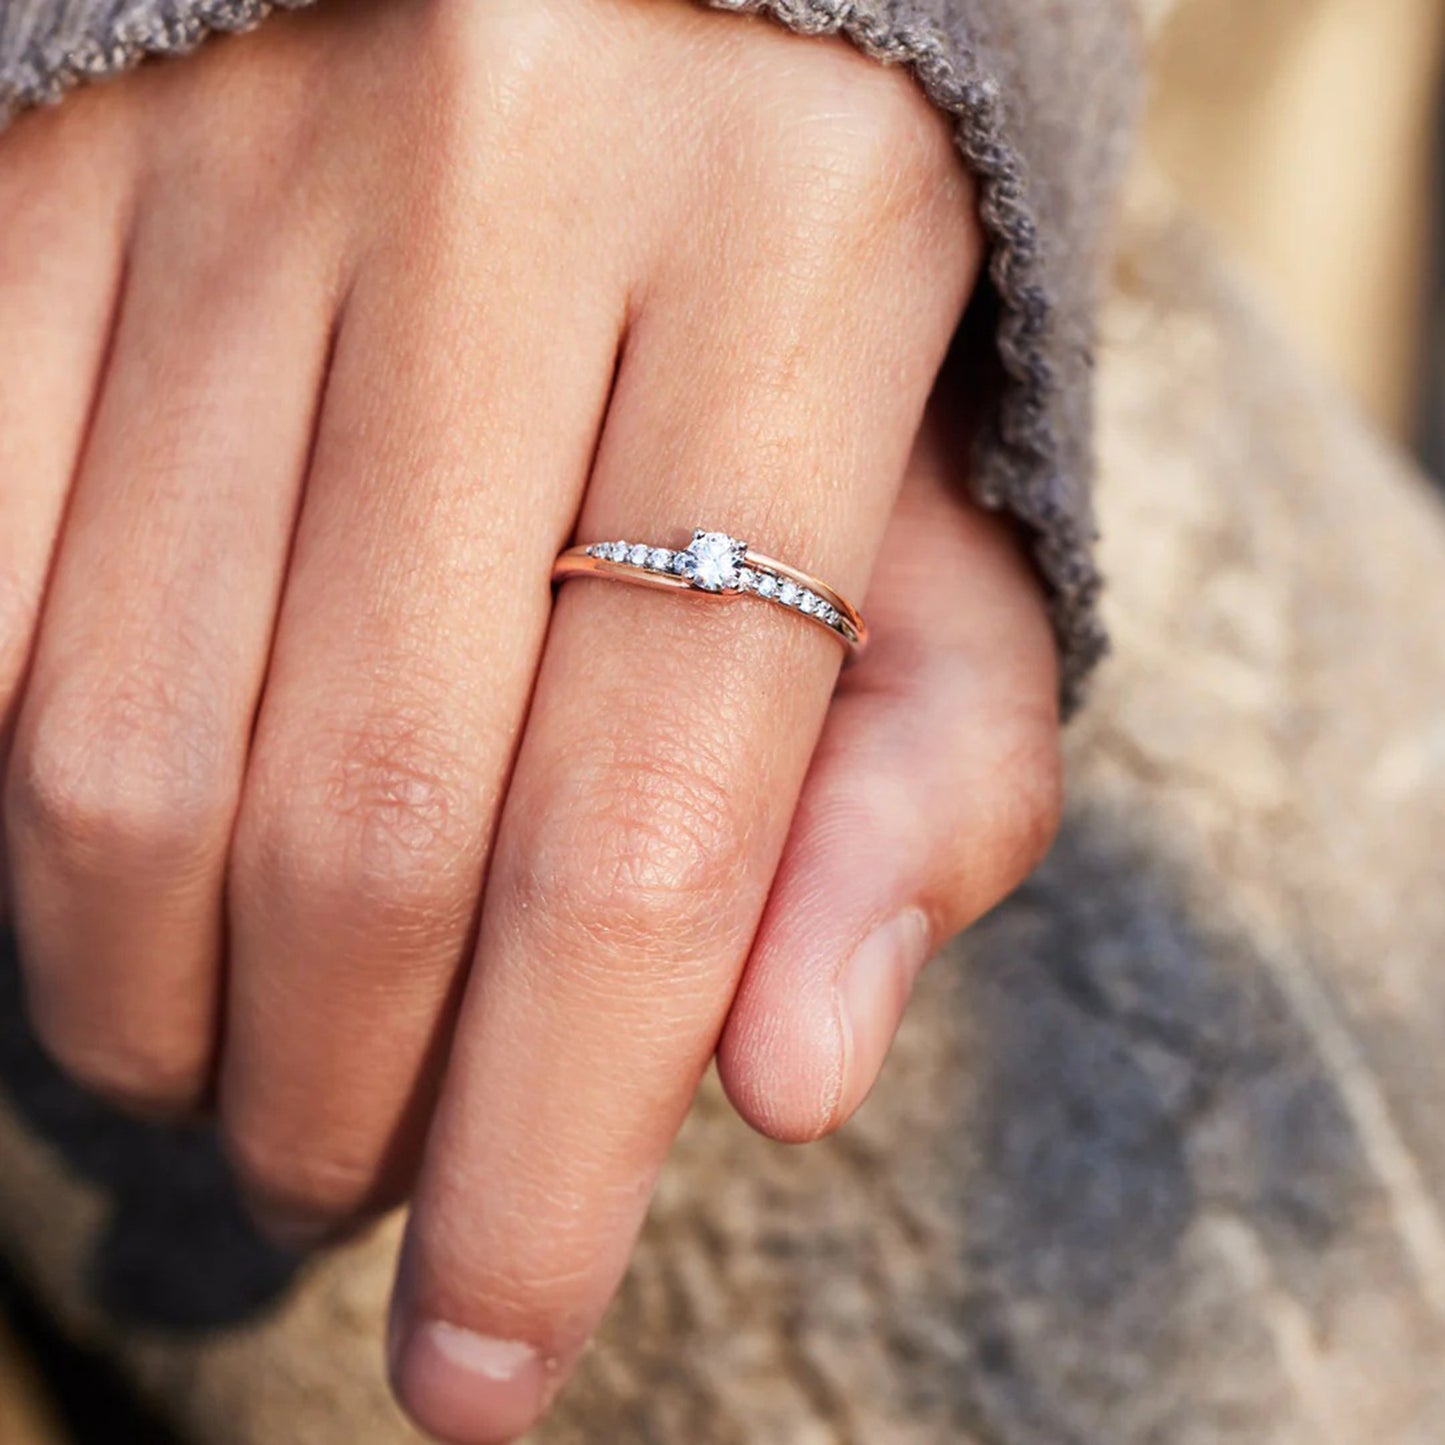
<point>1042,94</point>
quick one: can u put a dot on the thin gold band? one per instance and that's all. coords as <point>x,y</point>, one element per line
<point>749,574</point>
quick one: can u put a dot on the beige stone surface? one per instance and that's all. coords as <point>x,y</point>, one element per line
<point>1158,1159</point>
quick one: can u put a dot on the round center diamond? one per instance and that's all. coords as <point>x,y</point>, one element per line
<point>712,561</point>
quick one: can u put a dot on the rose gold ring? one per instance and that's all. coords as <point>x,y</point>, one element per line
<point>721,566</point>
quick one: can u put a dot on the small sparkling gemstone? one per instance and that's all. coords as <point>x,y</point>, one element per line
<point>637,555</point>
<point>617,552</point>
<point>711,562</point>
<point>659,559</point>
<point>592,549</point>
<point>830,615</point>
<point>788,592</point>
<point>747,579</point>
<point>809,603</point>
<point>767,585</point>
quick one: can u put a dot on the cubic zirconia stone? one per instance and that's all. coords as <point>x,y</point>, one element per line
<point>789,592</point>
<point>712,561</point>
<point>747,579</point>
<point>809,603</point>
<point>617,552</point>
<point>830,615</point>
<point>637,555</point>
<point>767,585</point>
<point>659,559</point>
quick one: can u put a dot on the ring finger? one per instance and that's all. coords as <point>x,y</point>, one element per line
<point>667,745</point>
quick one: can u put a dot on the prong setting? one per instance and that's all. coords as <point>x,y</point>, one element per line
<point>717,563</point>
<point>713,561</point>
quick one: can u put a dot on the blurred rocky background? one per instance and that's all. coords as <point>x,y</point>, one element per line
<point>1306,135</point>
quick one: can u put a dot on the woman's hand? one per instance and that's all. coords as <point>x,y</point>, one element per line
<point>320,346</point>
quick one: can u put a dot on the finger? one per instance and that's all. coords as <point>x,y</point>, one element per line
<point>667,742</point>
<point>62,251</point>
<point>933,792</point>
<point>130,744</point>
<point>460,421</point>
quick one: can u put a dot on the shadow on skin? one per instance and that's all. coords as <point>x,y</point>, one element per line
<point>178,1252</point>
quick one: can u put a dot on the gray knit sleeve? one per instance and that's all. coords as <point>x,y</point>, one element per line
<point>1041,92</point>
<point>46,46</point>
<point>1043,95</point>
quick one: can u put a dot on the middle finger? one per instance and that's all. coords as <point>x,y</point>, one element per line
<point>403,657</point>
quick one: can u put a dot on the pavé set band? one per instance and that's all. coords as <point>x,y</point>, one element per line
<point>721,566</point>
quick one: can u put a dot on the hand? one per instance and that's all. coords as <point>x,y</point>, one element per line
<point>318,810</point>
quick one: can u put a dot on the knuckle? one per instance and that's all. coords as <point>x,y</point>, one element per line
<point>376,822</point>
<point>493,68</point>
<point>873,163</point>
<point>138,1077</point>
<point>638,851</point>
<point>32,147</point>
<point>141,775</point>
<point>19,612</point>
<point>233,169</point>
<point>290,1178</point>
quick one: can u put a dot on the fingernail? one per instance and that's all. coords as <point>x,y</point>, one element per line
<point>873,991</point>
<point>466,1388</point>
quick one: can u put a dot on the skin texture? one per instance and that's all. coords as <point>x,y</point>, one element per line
<point>320,810</point>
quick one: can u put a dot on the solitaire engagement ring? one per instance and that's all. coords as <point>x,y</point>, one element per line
<point>718,565</point>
